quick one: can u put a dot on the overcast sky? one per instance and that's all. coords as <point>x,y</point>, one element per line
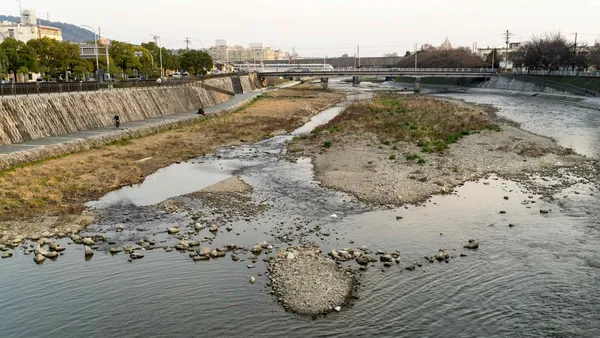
<point>324,27</point>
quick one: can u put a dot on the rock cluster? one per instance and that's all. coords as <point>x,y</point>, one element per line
<point>306,282</point>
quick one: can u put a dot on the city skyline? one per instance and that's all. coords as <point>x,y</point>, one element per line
<point>318,29</point>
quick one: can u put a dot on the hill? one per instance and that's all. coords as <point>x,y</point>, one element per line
<point>70,32</point>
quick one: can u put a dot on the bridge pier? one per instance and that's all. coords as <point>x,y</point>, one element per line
<point>325,82</point>
<point>417,85</point>
<point>355,80</point>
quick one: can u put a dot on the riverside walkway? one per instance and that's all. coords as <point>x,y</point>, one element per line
<point>53,140</point>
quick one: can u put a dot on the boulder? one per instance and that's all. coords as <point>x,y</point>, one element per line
<point>115,250</point>
<point>363,260</point>
<point>229,228</point>
<point>216,254</point>
<point>39,258</point>
<point>204,251</point>
<point>173,231</point>
<point>257,249</point>
<point>198,227</point>
<point>386,258</point>
<point>76,239</point>
<point>213,228</point>
<point>88,241</point>
<point>7,254</point>
<point>88,251</point>
<point>136,255</point>
<point>200,258</point>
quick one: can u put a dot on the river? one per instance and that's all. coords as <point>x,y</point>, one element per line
<point>538,278</point>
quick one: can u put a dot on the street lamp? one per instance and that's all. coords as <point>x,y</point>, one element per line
<point>95,50</point>
<point>156,40</point>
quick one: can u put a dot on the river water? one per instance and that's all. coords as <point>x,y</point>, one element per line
<point>540,278</point>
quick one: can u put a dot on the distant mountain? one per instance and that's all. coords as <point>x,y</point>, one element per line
<point>70,32</point>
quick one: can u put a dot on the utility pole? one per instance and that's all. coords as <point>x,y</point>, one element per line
<point>507,36</point>
<point>575,45</point>
<point>187,44</point>
<point>358,54</point>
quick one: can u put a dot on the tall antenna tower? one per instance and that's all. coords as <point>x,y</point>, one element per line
<point>20,7</point>
<point>187,44</point>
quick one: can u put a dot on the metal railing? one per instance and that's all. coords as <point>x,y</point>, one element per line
<point>556,73</point>
<point>41,88</point>
<point>300,69</point>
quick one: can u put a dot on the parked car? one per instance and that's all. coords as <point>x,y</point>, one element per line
<point>177,75</point>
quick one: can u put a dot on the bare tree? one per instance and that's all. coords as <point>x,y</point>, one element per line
<point>551,52</point>
<point>594,57</point>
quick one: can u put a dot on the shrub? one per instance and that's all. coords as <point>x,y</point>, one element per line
<point>392,157</point>
<point>327,144</point>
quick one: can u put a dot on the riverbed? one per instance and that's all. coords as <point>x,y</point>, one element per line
<point>537,278</point>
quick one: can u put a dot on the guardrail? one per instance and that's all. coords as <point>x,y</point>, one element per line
<point>76,87</point>
<point>557,73</point>
<point>300,69</point>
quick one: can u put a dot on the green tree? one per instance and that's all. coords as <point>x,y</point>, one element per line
<point>19,57</point>
<point>493,57</point>
<point>197,62</point>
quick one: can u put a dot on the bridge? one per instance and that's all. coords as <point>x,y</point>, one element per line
<point>356,73</point>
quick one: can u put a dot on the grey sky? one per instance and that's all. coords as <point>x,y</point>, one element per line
<point>319,27</point>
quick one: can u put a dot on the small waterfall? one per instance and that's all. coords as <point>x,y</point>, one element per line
<point>34,117</point>
<point>246,84</point>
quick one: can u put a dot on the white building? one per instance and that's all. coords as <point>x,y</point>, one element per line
<point>28,29</point>
<point>501,53</point>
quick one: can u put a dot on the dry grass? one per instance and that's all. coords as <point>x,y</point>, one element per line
<point>60,186</point>
<point>431,123</point>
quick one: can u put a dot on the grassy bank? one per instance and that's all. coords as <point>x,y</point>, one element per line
<point>431,124</point>
<point>59,187</point>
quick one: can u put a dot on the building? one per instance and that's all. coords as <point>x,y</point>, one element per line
<point>500,52</point>
<point>256,51</point>
<point>28,29</point>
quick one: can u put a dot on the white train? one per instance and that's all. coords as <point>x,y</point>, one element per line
<point>283,67</point>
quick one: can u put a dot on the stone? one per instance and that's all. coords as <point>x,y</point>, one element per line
<point>213,228</point>
<point>229,228</point>
<point>251,266</point>
<point>204,251</point>
<point>473,244</point>
<point>88,241</point>
<point>385,258</point>
<point>51,254</point>
<point>173,230</point>
<point>387,264</point>
<point>410,268</point>
<point>88,251</point>
<point>442,256</point>
<point>511,225</point>
<point>136,255</point>
<point>290,256</point>
<point>7,254</point>
<point>252,280</point>
<point>3,247</point>
<point>216,254</point>
<point>257,249</point>
<point>198,227</point>
<point>544,211</point>
<point>502,212</point>
<point>505,197</point>
<point>338,308</point>
<point>380,252</point>
<point>235,258</point>
<point>51,245</point>
<point>363,260</point>
<point>333,216</point>
<point>39,258</point>
<point>115,250</point>
<point>76,239</point>
<point>59,248</point>
<point>200,258</point>
<point>194,243</point>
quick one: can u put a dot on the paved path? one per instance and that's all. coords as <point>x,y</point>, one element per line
<point>13,148</point>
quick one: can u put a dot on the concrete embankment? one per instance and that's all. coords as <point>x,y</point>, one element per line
<point>35,117</point>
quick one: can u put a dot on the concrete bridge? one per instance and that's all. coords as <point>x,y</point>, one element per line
<point>356,73</point>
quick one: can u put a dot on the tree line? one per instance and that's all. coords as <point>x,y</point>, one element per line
<point>554,52</point>
<point>444,56</point>
<point>62,61</point>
